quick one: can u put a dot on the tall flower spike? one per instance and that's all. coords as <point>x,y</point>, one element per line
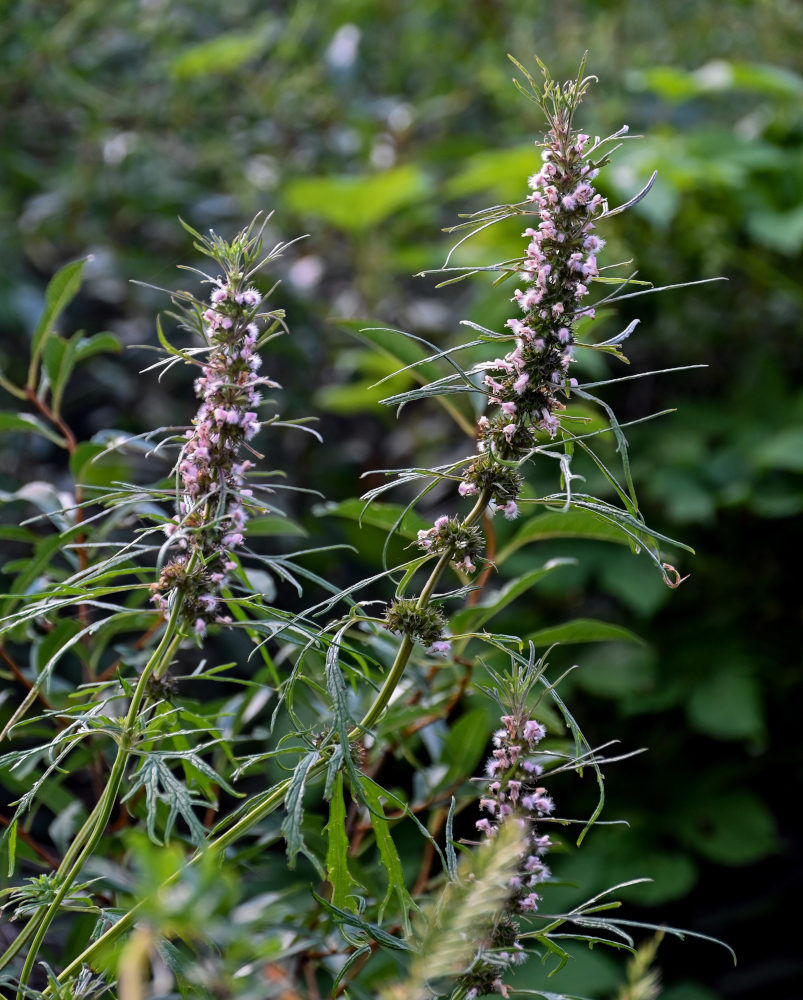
<point>512,794</point>
<point>531,382</point>
<point>214,503</point>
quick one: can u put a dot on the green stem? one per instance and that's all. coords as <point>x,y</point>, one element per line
<point>406,647</point>
<point>271,801</point>
<point>93,830</point>
<point>276,796</point>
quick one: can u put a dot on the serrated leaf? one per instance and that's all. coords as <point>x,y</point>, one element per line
<point>337,868</point>
<point>583,630</point>
<point>60,291</point>
<point>388,853</point>
<point>341,719</point>
<point>294,806</point>
<point>162,786</point>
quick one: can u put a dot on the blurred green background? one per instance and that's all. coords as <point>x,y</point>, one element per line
<point>369,126</point>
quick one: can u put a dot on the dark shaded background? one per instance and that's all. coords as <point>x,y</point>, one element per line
<point>369,125</point>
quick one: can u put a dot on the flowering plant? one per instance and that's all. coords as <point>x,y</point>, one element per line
<point>165,850</point>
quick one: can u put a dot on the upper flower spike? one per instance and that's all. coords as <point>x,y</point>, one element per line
<point>213,504</point>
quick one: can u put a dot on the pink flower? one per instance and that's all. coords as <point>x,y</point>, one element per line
<point>533,731</point>
<point>542,844</point>
<point>530,902</point>
<point>543,803</point>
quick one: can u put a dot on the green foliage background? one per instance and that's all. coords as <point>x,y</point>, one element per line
<point>369,125</point>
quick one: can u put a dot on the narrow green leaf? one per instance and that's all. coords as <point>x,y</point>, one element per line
<point>12,847</point>
<point>352,920</point>
<point>412,353</point>
<point>166,343</point>
<point>337,868</point>
<point>59,293</point>
<point>464,746</point>
<point>59,359</point>
<point>353,958</point>
<point>583,630</point>
<point>388,853</point>
<point>53,351</point>
<point>451,854</point>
